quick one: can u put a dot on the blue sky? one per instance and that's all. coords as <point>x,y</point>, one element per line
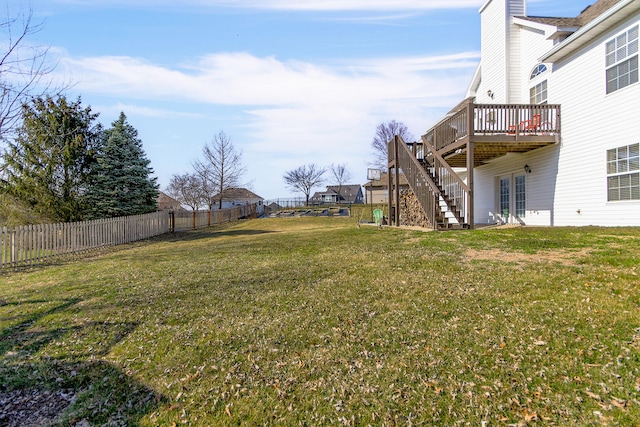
<point>291,82</point>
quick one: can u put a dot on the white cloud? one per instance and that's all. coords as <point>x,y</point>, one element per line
<point>114,110</point>
<point>301,5</point>
<point>342,5</point>
<point>244,79</point>
<point>292,112</point>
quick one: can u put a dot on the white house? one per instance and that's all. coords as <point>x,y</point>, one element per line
<point>232,197</point>
<point>550,129</point>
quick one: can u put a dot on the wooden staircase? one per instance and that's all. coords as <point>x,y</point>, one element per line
<point>443,210</point>
<point>440,167</point>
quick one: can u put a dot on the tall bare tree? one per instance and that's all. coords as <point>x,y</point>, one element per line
<point>304,178</point>
<point>340,175</point>
<point>384,133</point>
<point>22,68</point>
<point>220,168</point>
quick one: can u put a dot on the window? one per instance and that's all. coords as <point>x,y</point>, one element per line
<point>538,93</point>
<point>623,173</point>
<point>539,69</point>
<point>521,196</point>
<point>622,60</point>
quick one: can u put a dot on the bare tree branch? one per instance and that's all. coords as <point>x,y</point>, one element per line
<point>22,68</point>
<point>304,178</point>
<point>341,176</point>
<point>220,168</point>
<point>187,189</point>
<point>384,133</point>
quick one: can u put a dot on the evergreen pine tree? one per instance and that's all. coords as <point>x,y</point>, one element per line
<point>46,167</point>
<point>121,182</point>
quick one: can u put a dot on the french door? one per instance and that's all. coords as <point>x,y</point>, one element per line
<point>512,199</point>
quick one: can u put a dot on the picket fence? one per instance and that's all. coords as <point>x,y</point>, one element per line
<point>32,244</point>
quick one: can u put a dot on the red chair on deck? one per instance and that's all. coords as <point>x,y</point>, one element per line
<point>531,125</point>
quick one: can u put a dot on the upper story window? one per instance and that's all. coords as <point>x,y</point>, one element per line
<point>622,60</point>
<point>538,93</point>
<point>623,173</point>
<point>539,69</point>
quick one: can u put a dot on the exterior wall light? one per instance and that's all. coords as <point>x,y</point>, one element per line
<point>527,169</point>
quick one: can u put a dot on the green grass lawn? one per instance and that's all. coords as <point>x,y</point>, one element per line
<point>313,321</point>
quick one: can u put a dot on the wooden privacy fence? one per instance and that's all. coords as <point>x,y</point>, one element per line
<point>185,220</point>
<point>31,244</point>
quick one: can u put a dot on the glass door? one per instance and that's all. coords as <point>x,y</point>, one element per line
<point>521,197</point>
<point>512,199</point>
<point>504,201</point>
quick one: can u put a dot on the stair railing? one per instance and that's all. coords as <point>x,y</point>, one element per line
<point>455,192</point>
<point>423,187</point>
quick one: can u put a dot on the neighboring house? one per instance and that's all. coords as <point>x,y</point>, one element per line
<point>377,190</point>
<point>524,164</point>
<point>168,203</point>
<point>272,207</point>
<point>345,194</point>
<point>237,197</point>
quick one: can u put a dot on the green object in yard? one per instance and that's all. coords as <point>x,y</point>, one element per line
<point>377,216</point>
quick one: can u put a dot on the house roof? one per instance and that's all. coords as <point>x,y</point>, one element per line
<point>348,193</point>
<point>556,22</point>
<point>167,203</point>
<point>587,15</point>
<point>595,21</point>
<point>595,10</point>
<point>238,194</point>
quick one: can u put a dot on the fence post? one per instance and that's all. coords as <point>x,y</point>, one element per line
<point>12,251</point>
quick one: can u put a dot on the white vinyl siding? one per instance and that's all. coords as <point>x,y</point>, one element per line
<point>533,45</point>
<point>591,119</point>
<point>493,51</point>
<point>566,186</point>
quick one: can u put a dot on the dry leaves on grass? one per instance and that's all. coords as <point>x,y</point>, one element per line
<point>33,407</point>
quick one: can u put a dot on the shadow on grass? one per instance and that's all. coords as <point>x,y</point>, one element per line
<point>54,373</point>
<point>186,236</point>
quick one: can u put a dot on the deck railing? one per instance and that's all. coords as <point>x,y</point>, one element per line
<point>435,182</point>
<point>495,119</point>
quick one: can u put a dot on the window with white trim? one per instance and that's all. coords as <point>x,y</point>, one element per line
<point>622,60</point>
<point>623,173</point>
<point>537,70</point>
<point>538,93</point>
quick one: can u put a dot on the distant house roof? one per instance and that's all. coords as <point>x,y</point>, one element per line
<point>232,194</point>
<point>351,193</point>
<point>168,203</point>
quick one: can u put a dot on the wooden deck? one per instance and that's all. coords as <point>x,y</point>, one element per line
<point>469,136</point>
<point>495,130</point>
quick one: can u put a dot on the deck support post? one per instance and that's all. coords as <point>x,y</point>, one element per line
<point>470,162</point>
<point>397,180</point>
